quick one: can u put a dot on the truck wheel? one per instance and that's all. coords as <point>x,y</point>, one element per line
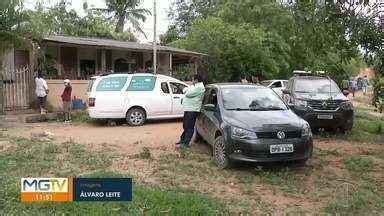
<point>136,117</point>
<point>219,153</point>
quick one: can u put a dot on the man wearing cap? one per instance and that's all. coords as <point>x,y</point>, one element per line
<point>66,97</point>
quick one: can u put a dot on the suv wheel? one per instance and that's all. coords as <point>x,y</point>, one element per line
<point>136,117</point>
<point>219,153</point>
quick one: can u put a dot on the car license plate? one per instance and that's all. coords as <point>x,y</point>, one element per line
<point>282,148</point>
<point>325,116</point>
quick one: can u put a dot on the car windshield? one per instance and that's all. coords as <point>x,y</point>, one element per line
<point>266,83</point>
<point>253,99</point>
<point>320,86</point>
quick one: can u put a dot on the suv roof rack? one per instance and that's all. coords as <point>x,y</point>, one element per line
<point>302,73</point>
<point>309,73</point>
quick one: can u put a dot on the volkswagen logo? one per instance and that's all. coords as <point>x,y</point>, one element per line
<point>280,135</point>
<point>324,104</point>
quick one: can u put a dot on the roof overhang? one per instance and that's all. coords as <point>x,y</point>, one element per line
<point>115,44</point>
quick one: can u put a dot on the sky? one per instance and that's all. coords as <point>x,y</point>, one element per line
<point>162,13</point>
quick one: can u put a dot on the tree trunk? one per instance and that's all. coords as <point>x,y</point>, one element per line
<point>120,24</point>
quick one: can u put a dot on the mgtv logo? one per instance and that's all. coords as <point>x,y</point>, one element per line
<point>47,185</point>
<point>46,189</point>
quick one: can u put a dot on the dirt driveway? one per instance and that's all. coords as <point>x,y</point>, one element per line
<point>129,140</point>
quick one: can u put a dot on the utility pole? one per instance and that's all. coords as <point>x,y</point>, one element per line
<point>154,39</point>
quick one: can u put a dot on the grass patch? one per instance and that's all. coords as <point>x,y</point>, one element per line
<point>44,159</point>
<point>364,198</point>
<point>358,164</point>
<point>367,128</point>
<point>285,178</point>
<point>81,116</point>
<point>145,153</point>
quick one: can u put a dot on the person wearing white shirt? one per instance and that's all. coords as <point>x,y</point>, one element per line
<point>41,91</point>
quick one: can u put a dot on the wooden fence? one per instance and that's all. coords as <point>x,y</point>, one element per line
<point>2,105</point>
<point>16,89</point>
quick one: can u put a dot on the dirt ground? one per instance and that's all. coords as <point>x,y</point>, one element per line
<point>157,136</point>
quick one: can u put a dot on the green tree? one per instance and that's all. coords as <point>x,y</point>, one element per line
<point>171,35</point>
<point>225,44</point>
<point>321,35</point>
<point>11,19</point>
<point>126,10</point>
<point>59,20</point>
<point>183,13</point>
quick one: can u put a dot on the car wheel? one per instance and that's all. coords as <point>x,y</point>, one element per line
<point>219,153</point>
<point>136,117</point>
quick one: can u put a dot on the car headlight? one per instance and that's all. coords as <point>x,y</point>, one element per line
<point>346,105</point>
<point>301,103</point>
<point>306,130</point>
<point>240,133</point>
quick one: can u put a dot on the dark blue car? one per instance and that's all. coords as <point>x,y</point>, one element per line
<point>251,123</point>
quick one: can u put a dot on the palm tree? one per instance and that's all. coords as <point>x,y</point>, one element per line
<point>126,10</point>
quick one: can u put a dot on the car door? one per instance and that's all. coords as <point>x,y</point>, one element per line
<point>145,91</point>
<point>177,97</point>
<point>201,129</point>
<point>210,119</point>
<point>162,99</point>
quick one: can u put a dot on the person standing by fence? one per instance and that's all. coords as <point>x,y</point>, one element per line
<point>365,84</point>
<point>353,86</point>
<point>66,97</point>
<point>41,92</point>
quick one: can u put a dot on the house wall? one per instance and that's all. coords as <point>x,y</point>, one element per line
<point>87,54</point>
<point>164,63</point>
<point>56,87</point>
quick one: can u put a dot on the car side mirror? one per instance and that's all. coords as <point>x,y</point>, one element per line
<point>345,93</point>
<point>209,107</point>
<point>285,91</point>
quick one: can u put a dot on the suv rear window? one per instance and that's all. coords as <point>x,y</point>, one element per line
<point>142,83</point>
<point>111,84</point>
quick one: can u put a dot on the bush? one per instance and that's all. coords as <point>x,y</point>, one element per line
<point>378,84</point>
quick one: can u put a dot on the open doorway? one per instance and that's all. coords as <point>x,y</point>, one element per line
<point>87,69</point>
<point>121,65</point>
